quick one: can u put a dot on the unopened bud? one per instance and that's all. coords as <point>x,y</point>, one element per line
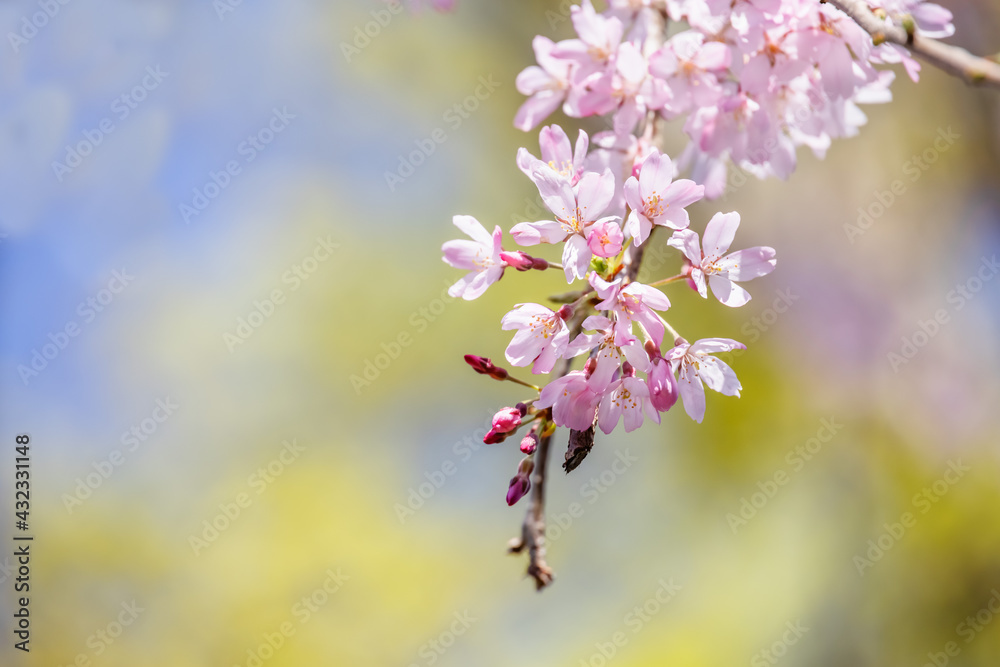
<point>484,366</point>
<point>507,420</point>
<point>494,436</point>
<point>539,264</point>
<point>519,487</point>
<point>529,443</point>
<point>662,385</point>
<point>521,261</point>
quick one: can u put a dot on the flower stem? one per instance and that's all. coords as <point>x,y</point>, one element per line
<point>667,281</point>
<point>511,378</point>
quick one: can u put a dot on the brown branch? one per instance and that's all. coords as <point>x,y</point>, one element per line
<point>533,529</point>
<point>974,70</point>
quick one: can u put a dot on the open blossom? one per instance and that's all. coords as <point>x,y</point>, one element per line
<point>723,272</point>
<point>626,398</point>
<point>541,336</point>
<point>627,89</point>
<point>573,401</point>
<point>656,199</point>
<point>607,354</point>
<point>630,303</point>
<point>480,256</point>
<point>599,37</point>
<point>690,65</point>
<point>576,210</point>
<point>547,84</point>
<point>696,367</point>
<point>557,155</point>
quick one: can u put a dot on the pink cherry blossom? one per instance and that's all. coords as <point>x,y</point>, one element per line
<point>656,199</point>
<point>607,353</point>
<point>723,272</point>
<point>630,303</point>
<point>575,209</point>
<point>541,336</point>
<point>690,66</point>
<point>599,37</point>
<point>696,366</point>
<point>547,84</point>
<point>573,402</point>
<point>627,90</point>
<point>626,398</point>
<point>480,256</point>
<point>605,238</point>
<point>557,155</point>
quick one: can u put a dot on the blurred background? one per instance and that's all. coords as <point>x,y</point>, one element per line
<point>254,441</point>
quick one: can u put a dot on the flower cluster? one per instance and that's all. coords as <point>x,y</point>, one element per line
<point>636,364</point>
<point>752,80</point>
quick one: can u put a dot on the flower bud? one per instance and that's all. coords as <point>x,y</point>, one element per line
<point>521,482</point>
<point>539,264</point>
<point>506,420</point>
<point>529,443</point>
<point>494,436</point>
<point>484,366</point>
<point>519,487</point>
<point>521,261</point>
<point>662,385</point>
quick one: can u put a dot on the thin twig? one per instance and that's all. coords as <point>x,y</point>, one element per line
<point>972,69</point>
<point>533,529</point>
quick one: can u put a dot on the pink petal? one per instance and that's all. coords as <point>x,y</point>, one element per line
<point>748,264</point>
<point>727,292</point>
<point>719,234</point>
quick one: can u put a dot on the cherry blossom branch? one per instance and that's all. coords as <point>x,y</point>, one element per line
<point>533,529</point>
<point>974,70</point>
